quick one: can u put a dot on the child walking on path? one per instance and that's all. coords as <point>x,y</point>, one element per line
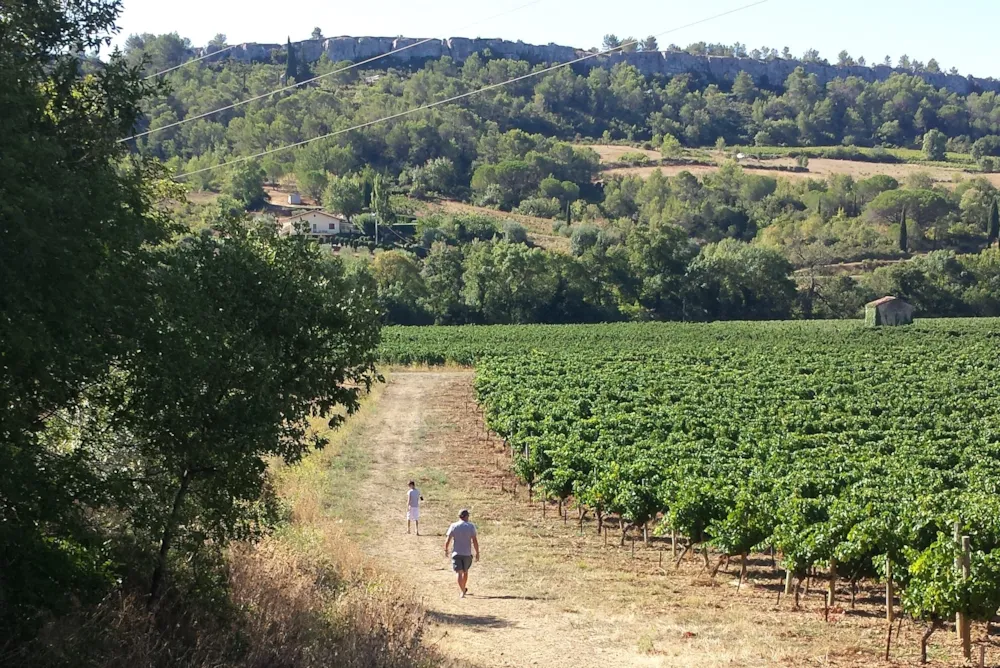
<point>413,500</point>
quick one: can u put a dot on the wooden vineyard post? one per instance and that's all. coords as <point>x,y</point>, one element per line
<point>831,595</point>
<point>605,536</point>
<point>673,542</point>
<point>788,581</point>
<point>965,631</point>
<point>890,610</point>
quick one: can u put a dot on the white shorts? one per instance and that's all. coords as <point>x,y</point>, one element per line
<point>413,514</point>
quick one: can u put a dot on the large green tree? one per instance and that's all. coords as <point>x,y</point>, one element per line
<point>249,335</point>
<point>77,221</point>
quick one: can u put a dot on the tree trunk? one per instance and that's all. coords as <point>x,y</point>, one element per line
<point>743,571</point>
<point>167,538</point>
<point>923,641</point>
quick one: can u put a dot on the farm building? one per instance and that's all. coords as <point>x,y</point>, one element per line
<point>294,199</point>
<point>316,224</point>
<point>888,311</point>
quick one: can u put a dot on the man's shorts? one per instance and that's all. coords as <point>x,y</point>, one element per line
<point>461,562</point>
<point>413,514</point>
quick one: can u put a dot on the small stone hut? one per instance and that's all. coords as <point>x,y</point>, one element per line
<point>888,311</point>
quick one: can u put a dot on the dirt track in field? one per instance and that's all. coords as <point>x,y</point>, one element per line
<point>549,592</point>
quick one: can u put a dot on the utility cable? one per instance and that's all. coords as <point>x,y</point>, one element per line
<point>313,79</point>
<point>188,62</point>
<point>455,98</point>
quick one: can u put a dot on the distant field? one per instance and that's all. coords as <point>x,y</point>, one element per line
<point>905,154</point>
<point>821,168</point>
<point>539,229</point>
<point>610,153</point>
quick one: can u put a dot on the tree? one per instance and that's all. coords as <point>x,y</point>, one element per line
<point>245,183</point>
<point>887,61</point>
<point>671,148</point>
<point>735,280</point>
<point>344,195</point>
<point>933,66</point>
<point>811,56</point>
<point>507,283</point>
<point>248,336</point>
<point>650,44</point>
<point>904,62</point>
<point>442,272</point>
<point>610,42</point>
<point>935,145</point>
<point>924,206</point>
<point>317,33</point>
<point>291,64</point>
<point>629,45</point>
<point>381,206</point>
<point>993,231</point>
<point>514,232</point>
<point>903,246</point>
<point>844,59</point>
<point>401,288</point>
<point>743,88</point>
<point>79,219</point>
<point>217,42</point>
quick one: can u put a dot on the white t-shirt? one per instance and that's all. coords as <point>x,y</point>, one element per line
<point>413,498</point>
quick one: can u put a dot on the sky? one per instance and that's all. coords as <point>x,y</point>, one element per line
<point>961,33</point>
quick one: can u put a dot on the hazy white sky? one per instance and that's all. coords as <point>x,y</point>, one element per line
<point>962,33</point>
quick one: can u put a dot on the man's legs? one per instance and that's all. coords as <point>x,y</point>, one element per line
<point>417,524</point>
<point>407,525</point>
<point>463,578</point>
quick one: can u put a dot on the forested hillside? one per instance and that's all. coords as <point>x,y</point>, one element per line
<point>640,247</point>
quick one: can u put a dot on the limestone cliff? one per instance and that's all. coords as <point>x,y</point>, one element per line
<point>766,73</point>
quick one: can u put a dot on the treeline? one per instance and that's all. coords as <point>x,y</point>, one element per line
<point>150,374</point>
<point>617,103</point>
<point>480,271</point>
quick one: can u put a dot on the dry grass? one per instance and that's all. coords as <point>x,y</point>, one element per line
<point>306,597</point>
<point>539,229</point>
<point>611,153</point>
<point>818,168</point>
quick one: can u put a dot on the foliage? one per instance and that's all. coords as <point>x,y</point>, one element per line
<point>829,441</point>
<point>245,184</point>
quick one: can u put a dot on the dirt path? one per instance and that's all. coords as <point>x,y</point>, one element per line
<point>506,621</point>
<point>548,592</point>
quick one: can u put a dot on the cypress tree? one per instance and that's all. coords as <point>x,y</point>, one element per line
<point>291,66</point>
<point>902,233</point>
<point>569,214</point>
<point>993,226</point>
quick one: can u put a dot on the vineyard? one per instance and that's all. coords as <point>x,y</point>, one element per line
<point>850,454</point>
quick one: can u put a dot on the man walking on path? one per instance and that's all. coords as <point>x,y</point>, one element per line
<point>463,533</point>
<point>413,500</point>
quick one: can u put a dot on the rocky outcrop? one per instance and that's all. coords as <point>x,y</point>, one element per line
<point>715,68</point>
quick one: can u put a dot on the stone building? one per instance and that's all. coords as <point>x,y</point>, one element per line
<point>888,311</point>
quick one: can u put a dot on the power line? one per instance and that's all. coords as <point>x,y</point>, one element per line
<point>462,96</point>
<point>188,62</point>
<point>316,78</point>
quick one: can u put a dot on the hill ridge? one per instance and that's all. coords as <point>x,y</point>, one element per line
<point>767,73</point>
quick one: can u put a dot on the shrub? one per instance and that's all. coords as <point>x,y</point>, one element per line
<point>514,232</point>
<point>583,238</point>
<point>634,158</point>
<point>540,207</point>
